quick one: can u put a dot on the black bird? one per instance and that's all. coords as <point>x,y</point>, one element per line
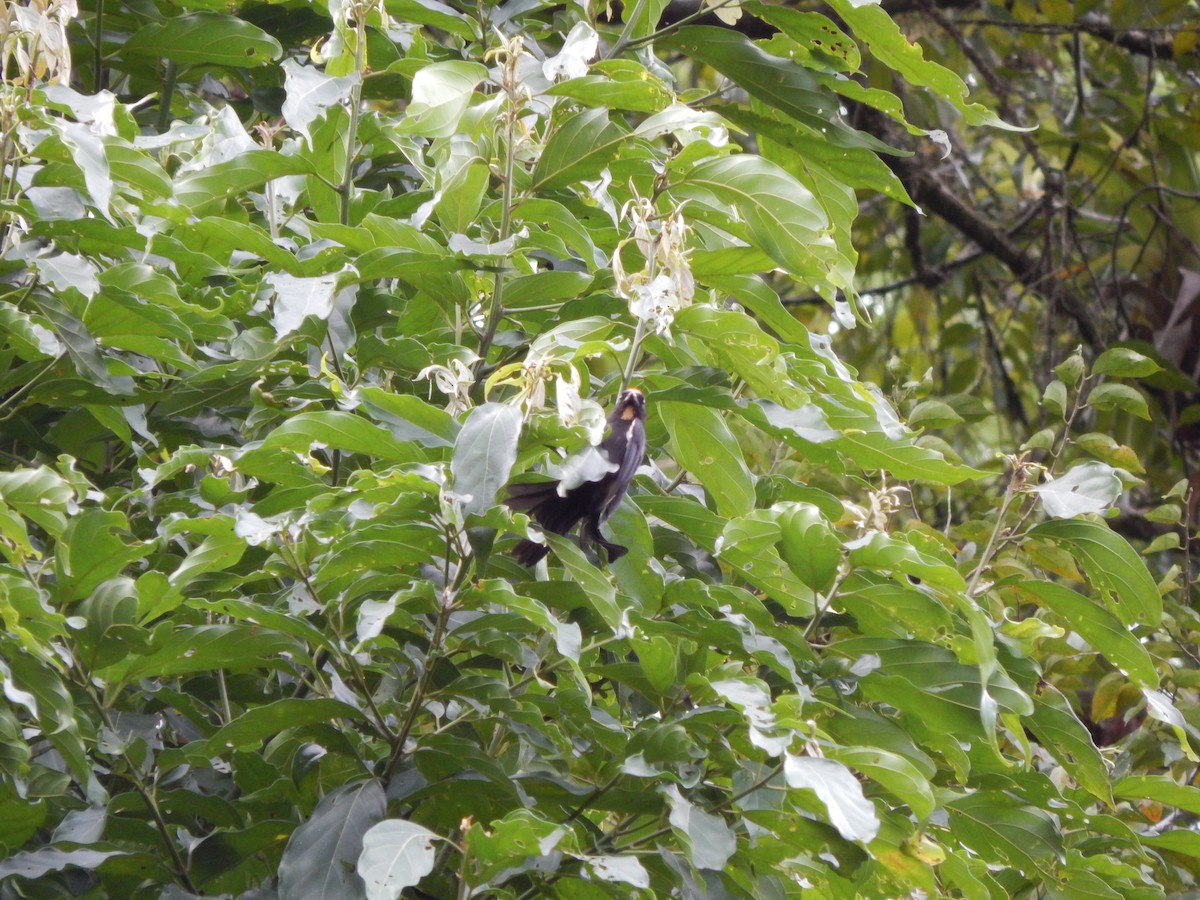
<point>591,502</point>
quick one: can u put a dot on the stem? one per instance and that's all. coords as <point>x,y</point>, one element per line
<point>623,40</point>
<point>346,185</point>
<point>147,795</point>
<point>99,78</point>
<point>820,608</point>
<point>985,557</point>
<point>496,311</point>
<point>164,97</point>
<point>639,334</point>
<point>414,707</point>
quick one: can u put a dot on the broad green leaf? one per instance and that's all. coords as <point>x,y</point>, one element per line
<point>544,288</point>
<point>409,418</point>
<point>856,167</point>
<point>761,301</point>
<point>441,93</point>
<point>705,447</point>
<point>1158,789</point>
<point>484,453</point>
<point>1111,396</point>
<point>40,494</point>
<point>581,146</point>
<point>435,13</point>
<point>221,237</point>
<point>879,32</point>
<point>31,336</point>
<point>1000,830</point>
<point>780,83</point>
<point>1112,566</point>
<point>1059,730</point>
<point>202,648</point>
<point>396,854</point>
<point>1121,362</point>
<point>895,773</point>
<point>885,553</point>
<point>243,173</point>
<point>1090,487</point>
<point>710,841</point>
<point>216,553</point>
<point>310,92</point>
<point>825,43</point>
<point>512,844</point>
<point>321,855</point>
<point>34,864</point>
<point>809,545</point>
<point>688,516</point>
<point>259,723</point>
<point>1103,631</point>
<point>745,349</point>
<point>329,428</point>
<point>645,94</point>
<point>204,38</point>
<point>601,594</point>
<point>92,549</point>
<point>851,813</point>
<point>775,213</point>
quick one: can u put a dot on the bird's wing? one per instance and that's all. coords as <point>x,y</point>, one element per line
<point>632,449</point>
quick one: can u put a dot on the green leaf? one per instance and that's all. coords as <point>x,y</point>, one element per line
<point>1112,566</point>
<point>645,94</point>
<point>202,648</point>
<point>599,589</point>
<point>329,428</point>
<point>484,453</point>
<point>1090,487</point>
<point>777,82</point>
<point>92,550</point>
<point>884,553</point>
<point>818,35</point>
<point>580,147</point>
<point>40,494</point>
<point>544,288</point>
<point>1111,396</point>
<point>34,864</point>
<point>1121,362</point>
<point>409,418</point>
<point>1100,628</point>
<point>850,812</point>
<point>809,545</point>
<point>705,448</point>
<point>775,213</point>
<point>1159,789</point>
<point>895,773</point>
<point>1000,830</point>
<point>745,349</point>
<point>710,841</point>
<point>441,93</point>
<point>933,414</point>
<point>396,854</point>
<point>259,723</point>
<point>872,25</point>
<point>205,39</point>
<point>1059,730</point>
<point>322,853</point>
<point>243,173</point>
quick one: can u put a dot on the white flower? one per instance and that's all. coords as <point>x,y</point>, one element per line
<point>454,380</point>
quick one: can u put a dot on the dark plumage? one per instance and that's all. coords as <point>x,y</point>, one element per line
<point>592,501</point>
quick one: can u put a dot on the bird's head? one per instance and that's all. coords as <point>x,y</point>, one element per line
<point>631,404</point>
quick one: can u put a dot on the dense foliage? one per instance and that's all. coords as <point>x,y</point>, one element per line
<point>289,292</point>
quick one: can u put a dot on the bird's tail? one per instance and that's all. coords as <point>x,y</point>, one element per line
<point>541,502</point>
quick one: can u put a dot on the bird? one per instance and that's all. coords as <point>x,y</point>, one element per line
<point>591,502</point>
